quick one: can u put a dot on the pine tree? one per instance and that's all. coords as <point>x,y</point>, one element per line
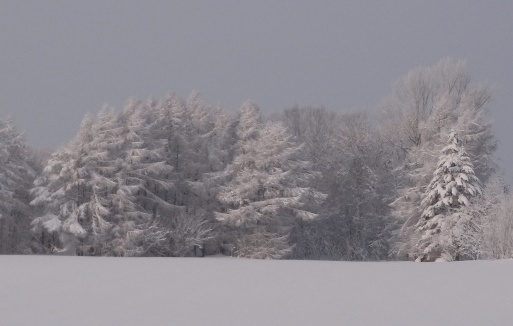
<point>444,222</point>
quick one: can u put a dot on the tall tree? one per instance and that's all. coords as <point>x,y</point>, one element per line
<point>443,225</point>
<point>494,211</point>
<point>423,107</point>
<point>104,187</point>
<point>354,161</point>
<point>266,188</point>
<point>15,176</point>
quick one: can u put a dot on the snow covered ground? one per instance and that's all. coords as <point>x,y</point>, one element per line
<point>50,290</point>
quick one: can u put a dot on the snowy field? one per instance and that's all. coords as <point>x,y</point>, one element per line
<point>50,290</point>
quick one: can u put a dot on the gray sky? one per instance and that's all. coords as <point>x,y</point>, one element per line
<point>61,59</point>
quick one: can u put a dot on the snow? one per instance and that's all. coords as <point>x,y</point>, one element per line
<point>56,290</point>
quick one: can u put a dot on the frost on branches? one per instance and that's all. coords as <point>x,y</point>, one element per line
<point>16,175</point>
<point>423,106</point>
<point>444,224</point>
<point>267,188</point>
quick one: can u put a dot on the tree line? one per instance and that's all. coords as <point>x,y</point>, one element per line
<point>179,177</point>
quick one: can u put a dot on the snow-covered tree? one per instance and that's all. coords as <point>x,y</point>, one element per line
<point>316,128</point>
<point>498,231</point>
<point>424,105</point>
<point>354,222</point>
<point>192,135</point>
<point>190,132</point>
<point>16,174</point>
<point>67,196</point>
<point>103,186</point>
<point>494,209</point>
<point>362,190</point>
<point>188,231</point>
<point>122,184</point>
<point>267,187</point>
<point>444,223</point>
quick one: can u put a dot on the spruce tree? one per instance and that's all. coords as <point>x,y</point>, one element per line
<point>440,232</point>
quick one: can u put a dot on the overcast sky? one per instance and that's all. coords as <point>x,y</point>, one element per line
<point>62,59</point>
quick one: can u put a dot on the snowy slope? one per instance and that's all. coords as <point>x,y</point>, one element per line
<point>49,290</point>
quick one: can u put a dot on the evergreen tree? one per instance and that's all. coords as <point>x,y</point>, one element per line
<point>443,224</point>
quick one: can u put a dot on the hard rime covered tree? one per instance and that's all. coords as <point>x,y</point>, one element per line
<point>424,105</point>
<point>498,230</point>
<point>316,128</point>
<point>266,187</point>
<point>191,133</point>
<point>16,174</point>
<point>354,222</point>
<point>444,223</point>
<point>57,186</point>
<point>129,181</point>
<point>68,194</point>
<point>358,184</point>
<point>141,179</point>
<point>360,194</point>
<point>103,188</point>
<point>494,211</point>
<point>163,177</point>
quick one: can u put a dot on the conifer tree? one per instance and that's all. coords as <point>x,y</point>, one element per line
<point>68,196</point>
<point>441,229</point>
<point>16,174</point>
<point>267,187</point>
